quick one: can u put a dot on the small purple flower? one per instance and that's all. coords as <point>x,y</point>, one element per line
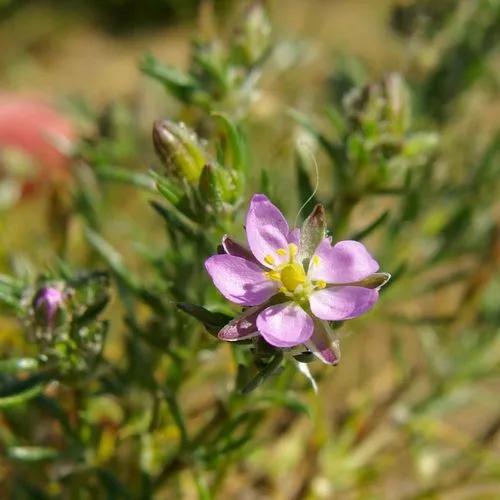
<point>47,304</point>
<point>291,296</point>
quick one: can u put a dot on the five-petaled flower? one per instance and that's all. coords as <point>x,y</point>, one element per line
<point>291,296</point>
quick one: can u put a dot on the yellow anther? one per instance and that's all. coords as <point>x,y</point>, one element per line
<point>292,275</point>
<point>269,259</point>
<point>315,260</point>
<point>281,251</point>
<point>273,275</point>
<point>320,284</point>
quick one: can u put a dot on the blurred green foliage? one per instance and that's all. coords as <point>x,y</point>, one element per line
<point>123,16</point>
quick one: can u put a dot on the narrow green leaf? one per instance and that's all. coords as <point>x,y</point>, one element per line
<point>209,187</point>
<point>10,282</point>
<point>178,83</point>
<point>201,486</point>
<point>31,453</point>
<point>15,365</point>
<point>177,416</point>
<point>235,141</point>
<point>213,322</point>
<point>113,486</point>
<point>264,374</point>
<point>234,444</point>
<point>177,219</point>
<point>363,233</point>
<point>125,176</point>
<point>305,357</point>
<point>111,257</point>
<point>21,397</point>
<point>337,120</point>
<point>167,188</point>
<point>92,311</point>
<point>10,301</point>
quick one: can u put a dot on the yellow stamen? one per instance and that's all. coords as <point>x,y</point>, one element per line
<point>273,275</point>
<point>281,251</point>
<point>269,259</point>
<point>315,260</point>
<point>320,284</point>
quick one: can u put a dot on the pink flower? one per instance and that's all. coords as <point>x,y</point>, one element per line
<point>33,127</point>
<point>292,296</point>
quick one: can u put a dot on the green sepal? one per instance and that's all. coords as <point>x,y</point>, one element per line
<point>313,232</point>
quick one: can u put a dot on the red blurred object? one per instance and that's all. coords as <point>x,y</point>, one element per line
<point>33,127</point>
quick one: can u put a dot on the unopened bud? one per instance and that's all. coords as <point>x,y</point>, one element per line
<point>179,150</point>
<point>48,306</point>
<point>382,107</point>
<point>254,36</point>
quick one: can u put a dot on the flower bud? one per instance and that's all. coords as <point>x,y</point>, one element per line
<point>381,108</point>
<point>179,150</point>
<point>48,307</point>
<point>254,35</point>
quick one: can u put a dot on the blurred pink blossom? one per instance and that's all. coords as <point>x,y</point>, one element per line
<point>36,129</point>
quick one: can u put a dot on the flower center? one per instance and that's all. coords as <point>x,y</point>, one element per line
<point>292,275</point>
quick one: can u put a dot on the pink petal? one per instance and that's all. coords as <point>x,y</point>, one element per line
<point>346,262</point>
<point>267,229</point>
<point>239,280</point>
<point>285,325</point>
<point>323,344</point>
<point>242,327</point>
<point>232,247</point>
<point>342,302</point>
